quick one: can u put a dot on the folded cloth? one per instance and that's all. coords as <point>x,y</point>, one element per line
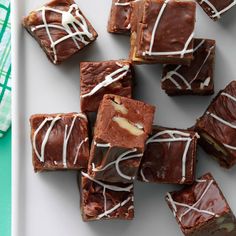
<point>5,67</point>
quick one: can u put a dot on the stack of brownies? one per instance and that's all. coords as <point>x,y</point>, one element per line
<point>124,145</point>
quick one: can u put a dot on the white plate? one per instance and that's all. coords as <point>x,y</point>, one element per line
<point>48,204</point>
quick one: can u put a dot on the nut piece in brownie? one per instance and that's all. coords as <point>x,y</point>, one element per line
<point>217,127</point>
<point>59,141</point>
<point>119,21</point>
<point>169,157</point>
<point>60,28</point>
<point>201,209</point>
<point>215,8</point>
<point>162,31</point>
<point>121,130</point>
<point>100,200</point>
<point>196,79</point>
<point>105,77</point>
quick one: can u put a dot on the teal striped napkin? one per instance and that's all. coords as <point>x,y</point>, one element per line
<point>5,67</point>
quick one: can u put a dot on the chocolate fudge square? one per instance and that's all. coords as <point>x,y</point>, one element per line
<point>119,19</point>
<point>196,79</point>
<point>100,200</point>
<point>60,28</point>
<point>201,209</point>
<point>215,8</point>
<point>121,130</point>
<point>217,127</point>
<point>164,32</point>
<point>105,77</point>
<point>59,141</point>
<point>170,157</point>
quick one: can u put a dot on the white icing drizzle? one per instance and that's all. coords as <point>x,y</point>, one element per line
<point>128,26</point>
<point>130,208</point>
<point>221,120</point>
<point>204,62</point>
<point>66,138</point>
<point>150,51</point>
<point>102,145</point>
<point>35,136</point>
<point>143,176</point>
<point>169,75</point>
<point>68,21</point>
<point>215,12</point>
<point>155,26</point>
<point>112,188</point>
<point>109,79</point>
<point>122,157</point>
<point>186,137</point>
<point>78,149</point>
<point>228,96</point>
<point>44,142</point>
<point>201,180</point>
<point>193,207</point>
<point>230,147</point>
<point>123,4</point>
<point>171,201</point>
<point>205,83</point>
<point>114,208</point>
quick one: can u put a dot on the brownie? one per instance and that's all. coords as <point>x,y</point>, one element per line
<point>121,130</point>
<point>100,200</point>
<point>201,209</point>
<point>119,20</point>
<point>59,141</point>
<point>164,31</point>
<point>217,127</point>
<point>60,28</point>
<point>196,79</point>
<point>215,8</point>
<point>105,77</point>
<point>170,157</point>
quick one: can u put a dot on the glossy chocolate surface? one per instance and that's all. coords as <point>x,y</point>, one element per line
<point>201,206</point>
<point>215,8</point>
<point>122,128</point>
<point>165,32</point>
<point>196,79</point>
<point>60,28</point>
<point>217,126</point>
<point>59,141</point>
<point>119,20</point>
<point>105,77</point>
<point>169,157</point>
<point>100,200</point>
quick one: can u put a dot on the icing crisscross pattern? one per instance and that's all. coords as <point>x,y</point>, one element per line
<point>127,155</point>
<point>75,26</point>
<point>195,206</point>
<point>174,136</point>
<point>188,84</point>
<point>217,13</point>
<point>114,188</point>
